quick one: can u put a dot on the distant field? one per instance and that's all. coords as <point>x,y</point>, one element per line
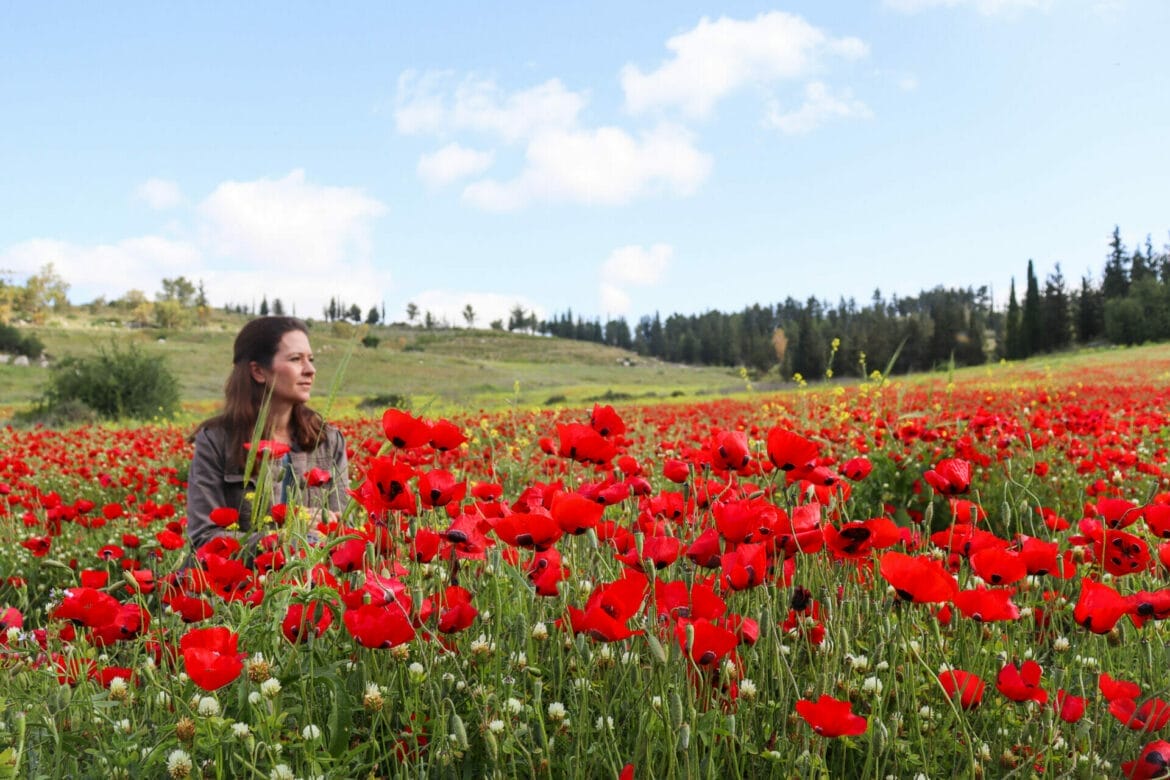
<point>434,370</point>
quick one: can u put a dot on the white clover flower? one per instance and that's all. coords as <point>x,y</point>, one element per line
<point>656,702</point>
<point>730,670</point>
<point>163,698</point>
<point>118,688</point>
<point>241,730</point>
<point>281,772</point>
<point>124,726</point>
<point>400,652</point>
<point>556,711</point>
<point>270,688</point>
<point>179,764</point>
<point>520,659</point>
<point>604,723</point>
<point>311,732</point>
<point>1060,644</point>
<point>13,635</point>
<point>208,707</point>
<point>540,632</point>
<point>858,663</point>
<point>925,712</point>
<point>417,671</point>
<point>496,726</point>
<point>481,646</point>
<point>513,706</point>
<point>254,697</point>
<point>872,685</point>
<point>747,688</point>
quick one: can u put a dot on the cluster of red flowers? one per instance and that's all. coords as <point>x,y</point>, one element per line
<point>707,503</point>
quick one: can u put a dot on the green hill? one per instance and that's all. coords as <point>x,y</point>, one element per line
<point>431,369</point>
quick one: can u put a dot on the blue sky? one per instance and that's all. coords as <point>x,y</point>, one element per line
<point>613,158</point>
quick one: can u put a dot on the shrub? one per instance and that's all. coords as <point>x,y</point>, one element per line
<point>385,400</point>
<point>371,341</point>
<point>115,384</point>
<point>12,341</point>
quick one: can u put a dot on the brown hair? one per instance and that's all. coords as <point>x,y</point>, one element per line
<point>258,342</point>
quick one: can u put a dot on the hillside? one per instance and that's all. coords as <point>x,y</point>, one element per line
<point>428,369</point>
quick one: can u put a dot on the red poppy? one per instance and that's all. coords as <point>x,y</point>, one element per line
<point>276,449</point>
<point>966,686</point>
<point>315,477</point>
<point>950,477</point>
<point>456,611</point>
<point>446,435</point>
<point>857,468</point>
<point>859,538</point>
<point>659,551</point>
<point>88,607</point>
<point>405,431</point>
<point>1069,708</point>
<point>705,550</point>
<point>704,642</point>
<point>1152,762</point>
<point>302,621</point>
<point>583,444</point>
<point>730,452</point>
<point>1149,605</point>
<point>387,487</point>
<point>831,717</point>
<point>673,600</point>
<point>606,421</point>
<point>210,656</point>
<point>987,604</point>
<point>1117,689</point>
<point>1150,715</point>
<point>224,516</point>
<point>1099,607</point>
<point>999,566</point>
<point>378,626</point>
<point>744,567</point>
<point>922,580</point>
<point>575,513</point>
<point>545,571</point>
<point>438,488</point>
<point>535,530</point>
<point>1021,683</point>
<point>37,545</point>
<point>675,470</point>
<point>790,451</point>
<point>745,520</point>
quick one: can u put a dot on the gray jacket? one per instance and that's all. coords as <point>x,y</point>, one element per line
<point>211,483</point>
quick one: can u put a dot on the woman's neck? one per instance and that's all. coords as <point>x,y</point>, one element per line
<point>280,424</point>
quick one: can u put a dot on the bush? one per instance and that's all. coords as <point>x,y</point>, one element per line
<point>13,342</point>
<point>371,341</point>
<point>115,384</point>
<point>385,400</point>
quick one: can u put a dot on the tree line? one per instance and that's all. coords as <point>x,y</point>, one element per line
<point>1128,304</point>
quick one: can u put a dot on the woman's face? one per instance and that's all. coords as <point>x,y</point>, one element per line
<point>292,372</point>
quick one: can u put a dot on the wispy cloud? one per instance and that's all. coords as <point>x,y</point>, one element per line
<point>631,266</point>
<point>159,194</point>
<point>716,58</point>
<point>451,163</point>
<point>819,106</point>
<point>604,166</point>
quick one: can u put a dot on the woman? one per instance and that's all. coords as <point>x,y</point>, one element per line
<point>273,364</point>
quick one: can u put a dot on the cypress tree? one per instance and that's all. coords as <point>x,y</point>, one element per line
<point>1031,323</point>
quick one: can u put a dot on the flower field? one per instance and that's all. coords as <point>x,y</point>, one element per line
<point>947,578</point>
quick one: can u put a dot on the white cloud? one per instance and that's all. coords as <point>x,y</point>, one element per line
<point>985,7</point>
<point>631,265</point>
<point>480,105</point>
<point>159,194</point>
<point>447,306</point>
<point>606,166</point>
<point>717,57</point>
<point>451,163</point>
<point>109,270</point>
<point>289,226</point>
<point>819,106</point>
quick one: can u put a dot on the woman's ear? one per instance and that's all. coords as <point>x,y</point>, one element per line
<point>258,373</point>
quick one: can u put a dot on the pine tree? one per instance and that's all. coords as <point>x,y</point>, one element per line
<point>1031,322</point>
<point>1115,283</point>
